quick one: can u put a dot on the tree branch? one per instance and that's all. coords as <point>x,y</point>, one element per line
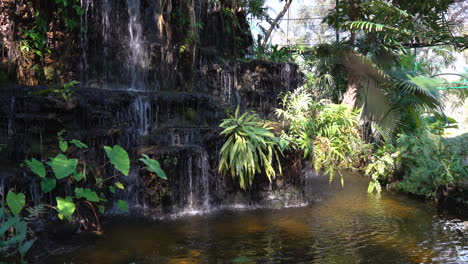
<point>276,21</point>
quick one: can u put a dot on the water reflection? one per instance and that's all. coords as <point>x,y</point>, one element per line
<point>349,226</point>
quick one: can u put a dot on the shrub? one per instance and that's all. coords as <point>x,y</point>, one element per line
<point>250,148</point>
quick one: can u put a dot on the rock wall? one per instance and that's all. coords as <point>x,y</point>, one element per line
<point>156,78</point>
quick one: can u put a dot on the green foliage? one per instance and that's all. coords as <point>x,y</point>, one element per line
<point>438,123</point>
<point>37,167</point>
<point>325,73</point>
<point>336,140</point>
<point>86,193</point>
<point>381,167</point>
<point>296,112</point>
<point>70,11</point>
<point>327,132</point>
<point>66,91</point>
<point>48,184</point>
<point>119,158</point>
<point>65,207</point>
<point>13,234</point>
<point>78,144</point>
<point>153,166</point>
<point>63,145</point>
<point>35,38</point>
<point>250,148</point>
<point>122,205</point>
<point>15,202</point>
<point>62,166</point>
<point>72,171</point>
<point>427,164</point>
<point>13,228</point>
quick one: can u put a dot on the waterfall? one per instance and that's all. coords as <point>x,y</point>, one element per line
<point>85,5</point>
<point>190,190</point>
<point>137,49</point>
<point>205,177</point>
<point>141,117</point>
<point>10,131</point>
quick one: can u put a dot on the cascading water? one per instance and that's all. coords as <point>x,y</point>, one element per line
<point>10,131</point>
<point>141,115</point>
<point>205,177</point>
<point>85,6</point>
<point>137,48</point>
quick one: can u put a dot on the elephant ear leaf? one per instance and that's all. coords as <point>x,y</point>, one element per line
<point>153,166</point>
<point>86,193</point>
<point>37,167</point>
<point>15,202</point>
<point>119,158</point>
<point>62,166</point>
<point>65,207</point>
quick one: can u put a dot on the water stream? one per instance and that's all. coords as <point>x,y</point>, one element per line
<point>346,226</point>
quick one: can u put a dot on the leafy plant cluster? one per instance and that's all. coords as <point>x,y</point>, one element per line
<point>35,38</point>
<point>427,164</point>
<point>71,11</point>
<point>251,148</point>
<point>90,196</point>
<point>326,132</point>
<point>274,53</point>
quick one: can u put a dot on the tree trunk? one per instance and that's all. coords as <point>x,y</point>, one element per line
<point>276,21</point>
<point>352,92</point>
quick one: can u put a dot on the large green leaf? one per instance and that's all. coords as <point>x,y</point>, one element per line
<point>86,193</point>
<point>119,158</point>
<point>48,184</point>
<point>65,207</point>
<point>78,144</point>
<point>62,166</point>
<point>154,166</point>
<point>15,202</point>
<point>37,167</point>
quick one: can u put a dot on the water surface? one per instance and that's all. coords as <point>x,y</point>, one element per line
<point>345,226</point>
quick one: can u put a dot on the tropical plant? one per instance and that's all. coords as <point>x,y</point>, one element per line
<point>382,166</point>
<point>332,139</point>
<point>14,229</point>
<point>66,90</point>
<point>35,39</point>
<point>427,164</point>
<point>90,187</point>
<point>295,112</point>
<point>251,148</point>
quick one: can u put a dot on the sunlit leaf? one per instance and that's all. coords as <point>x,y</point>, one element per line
<point>62,166</point>
<point>65,207</point>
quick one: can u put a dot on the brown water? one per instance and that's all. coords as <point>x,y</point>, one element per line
<point>346,226</point>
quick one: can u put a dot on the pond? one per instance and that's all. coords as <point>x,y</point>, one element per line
<point>346,225</point>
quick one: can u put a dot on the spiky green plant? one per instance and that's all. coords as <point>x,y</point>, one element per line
<point>250,148</point>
